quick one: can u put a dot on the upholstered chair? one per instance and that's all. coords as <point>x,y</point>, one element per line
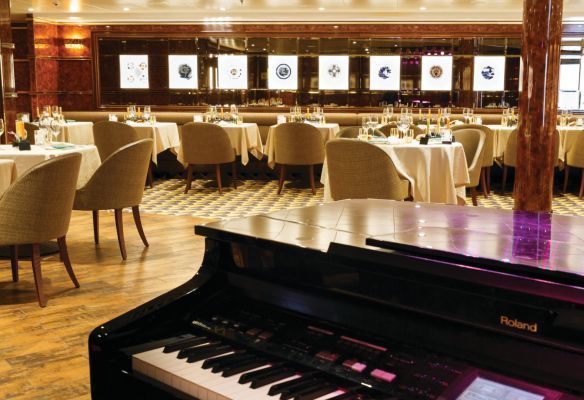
<point>349,132</point>
<point>36,209</point>
<point>489,154</point>
<point>207,144</point>
<point>360,170</point>
<point>386,129</point>
<point>473,142</point>
<point>575,158</point>
<point>298,144</point>
<point>118,183</point>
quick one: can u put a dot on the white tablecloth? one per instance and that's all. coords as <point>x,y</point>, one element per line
<point>328,131</point>
<point>164,134</point>
<point>244,138</point>
<point>437,173</point>
<point>7,174</point>
<point>77,133</point>
<point>25,160</point>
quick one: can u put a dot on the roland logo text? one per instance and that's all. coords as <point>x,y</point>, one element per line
<point>516,324</point>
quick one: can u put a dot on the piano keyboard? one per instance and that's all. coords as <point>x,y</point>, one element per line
<point>211,370</point>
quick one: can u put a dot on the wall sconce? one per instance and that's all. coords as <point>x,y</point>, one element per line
<point>74,44</point>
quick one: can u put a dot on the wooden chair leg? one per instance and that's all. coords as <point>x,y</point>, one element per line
<point>120,230</point>
<point>66,260</point>
<point>488,180</point>
<point>189,178</point>
<point>218,174</point>
<point>473,193</point>
<point>38,276</point>
<point>311,177</point>
<point>150,177</point>
<point>484,182</point>
<point>138,222</point>
<point>234,173</point>
<point>14,262</point>
<point>566,174</point>
<point>581,194</point>
<point>95,226</point>
<point>282,178</point>
<point>504,180</point>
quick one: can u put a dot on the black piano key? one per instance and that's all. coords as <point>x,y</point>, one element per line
<point>346,396</point>
<point>237,355</point>
<point>228,362</point>
<point>315,393</point>
<point>290,385</point>
<point>251,376</point>
<point>294,391</point>
<point>242,367</point>
<point>184,353</point>
<point>184,343</point>
<point>215,351</point>
<point>271,378</point>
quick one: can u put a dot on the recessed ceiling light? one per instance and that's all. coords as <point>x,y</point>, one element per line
<point>222,9</point>
<point>423,8</point>
<point>126,9</point>
<point>321,8</point>
<point>30,9</point>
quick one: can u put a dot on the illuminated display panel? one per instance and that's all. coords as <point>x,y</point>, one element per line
<point>232,72</point>
<point>333,73</point>
<point>283,72</point>
<point>182,72</point>
<point>134,71</point>
<point>384,72</point>
<point>489,74</point>
<point>437,73</point>
<point>484,389</point>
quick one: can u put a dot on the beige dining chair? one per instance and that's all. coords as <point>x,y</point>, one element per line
<point>32,213</point>
<point>489,154</point>
<point>360,170</point>
<point>207,144</point>
<point>386,129</point>
<point>297,143</point>
<point>115,185</point>
<point>109,136</point>
<point>473,142</point>
<point>349,132</point>
<point>575,159</point>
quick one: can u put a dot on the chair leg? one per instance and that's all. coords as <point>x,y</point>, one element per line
<point>473,193</point>
<point>189,178</point>
<point>234,173</point>
<point>282,178</point>
<point>218,175</point>
<point>581,194</point>
<point>150,177</point>
<point>311,177</point>
<point>38,276</point>
<point>484,182</point>
<point>14,262</point>
<point>66,260</point>
<point>138,222</point>
<point>566,174</point>
<point>488,173</point>
<point>504,180</point>
<point>120,230</point>
<point>96,226</point>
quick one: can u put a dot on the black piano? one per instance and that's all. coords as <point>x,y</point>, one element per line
<point>362,299</point>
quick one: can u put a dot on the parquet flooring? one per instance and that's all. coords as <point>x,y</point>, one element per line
<point>43,352</point>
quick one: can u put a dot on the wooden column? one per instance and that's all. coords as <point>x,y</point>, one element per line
<point>538,102</point>
<point>7,89</point>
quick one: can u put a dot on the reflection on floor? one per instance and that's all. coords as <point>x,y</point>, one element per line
<point>257,197</point>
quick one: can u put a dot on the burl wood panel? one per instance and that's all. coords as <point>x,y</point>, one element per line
<point>542,34</point>
<point>75,76</point>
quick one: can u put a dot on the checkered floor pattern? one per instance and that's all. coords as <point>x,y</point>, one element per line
<point>259,197</point>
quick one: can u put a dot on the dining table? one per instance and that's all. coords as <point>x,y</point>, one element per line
<point>438,173</point>
<point>76,132</point>
<point>163,134</point>
<point>328,131</point>
<point>26,159</point>
<point>7,174</point>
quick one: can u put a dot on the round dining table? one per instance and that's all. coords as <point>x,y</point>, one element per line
<point>437,173</point>
<point>164,135</point>
<point>7,174</point>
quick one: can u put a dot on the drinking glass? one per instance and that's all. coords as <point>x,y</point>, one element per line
<point>403,123</point>
<point>1,127</point>
<point>146,113</point>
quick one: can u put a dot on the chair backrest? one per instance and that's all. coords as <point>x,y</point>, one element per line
<point>386,129</point>
<point>575,154</point>
<point>297,143</point>
<point>360,170</point>
<point>109,136</point>
<point>510,154</point>
<point>489,151</point>
<point>349,132</point>
<point>473,141</point>
<point>119,180</point>
<point>204,143</point>
<point>37,207</point>
<point>30,130</point>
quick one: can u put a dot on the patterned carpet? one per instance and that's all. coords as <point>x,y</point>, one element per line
<point>258,197</point>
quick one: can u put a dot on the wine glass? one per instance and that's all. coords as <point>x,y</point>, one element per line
<point>403,123</point>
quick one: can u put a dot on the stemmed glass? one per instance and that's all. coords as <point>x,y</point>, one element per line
<point>387,114</point>
<point>403,123</point>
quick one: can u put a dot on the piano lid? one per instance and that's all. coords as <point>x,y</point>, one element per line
<point>499,237</point>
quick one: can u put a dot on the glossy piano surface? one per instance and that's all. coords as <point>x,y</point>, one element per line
<point>543,241</point>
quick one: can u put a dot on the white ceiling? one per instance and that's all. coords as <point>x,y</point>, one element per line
<point>221,11</point>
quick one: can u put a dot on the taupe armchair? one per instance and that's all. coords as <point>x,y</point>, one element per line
<point>349,132</point>
<point>109,136</point>
<point>360,170</point>
<point>207,144</point>
<point>33,212</point>
<point>575,158</point>
<point>473,142</point>
<point>117,184</point>
<point>298,144</point>
<point>489,154</point>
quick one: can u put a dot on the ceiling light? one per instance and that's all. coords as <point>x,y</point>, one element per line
<point>30,9</point>
<point>354,42</point>
<point>321,8</point>
<point>423,8</point>
<point>73,17</point>
<point>222,9</point>
<point>336,26</point>
<point>126,9</point>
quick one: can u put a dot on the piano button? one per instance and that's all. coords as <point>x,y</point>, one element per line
<point>311,394</point>
<point>355,365</point>
<point>271,378</point>
<point>243,367</point>
<point>184,353</point>
<point>184,343</point>
<point>300,388</point>
<point>383,375</point>
<point>236,355</point>
<point>208,353</point>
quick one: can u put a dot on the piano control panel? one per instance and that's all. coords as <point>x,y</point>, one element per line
<point>243,354</point>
